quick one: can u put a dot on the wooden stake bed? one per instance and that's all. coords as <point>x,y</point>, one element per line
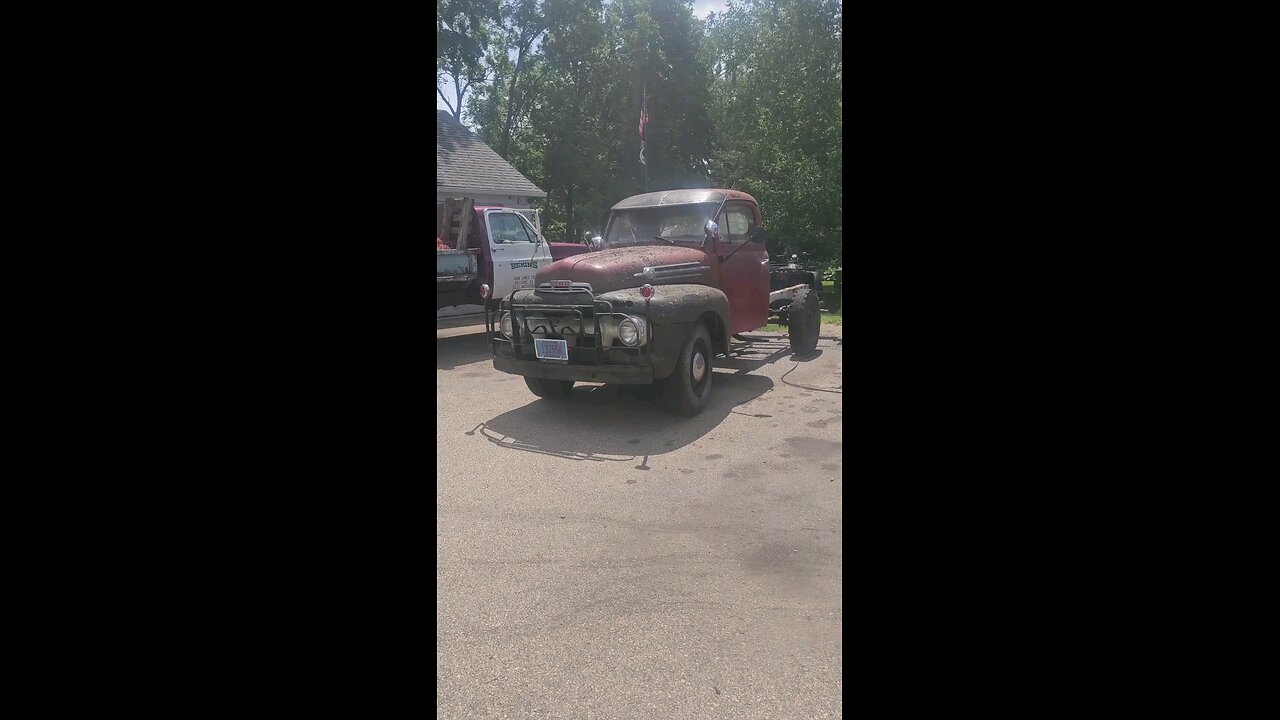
<point>454,224</point>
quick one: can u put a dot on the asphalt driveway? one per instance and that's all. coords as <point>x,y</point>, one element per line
<point>603,558</point>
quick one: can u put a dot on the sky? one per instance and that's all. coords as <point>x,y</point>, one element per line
<point>701,8</point>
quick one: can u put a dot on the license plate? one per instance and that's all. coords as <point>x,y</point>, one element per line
<point>551,349</point>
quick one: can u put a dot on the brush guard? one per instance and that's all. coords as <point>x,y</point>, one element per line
<point>565,322</point>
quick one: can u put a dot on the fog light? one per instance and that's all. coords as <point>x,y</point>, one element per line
<point>505,325</point>
<point>631,331</point>
<point>628,333</point>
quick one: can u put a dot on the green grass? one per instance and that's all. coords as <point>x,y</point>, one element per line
<point>831,318</point>
<point>828,318</point>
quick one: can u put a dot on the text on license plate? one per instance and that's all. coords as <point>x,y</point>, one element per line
<point>551,349</point>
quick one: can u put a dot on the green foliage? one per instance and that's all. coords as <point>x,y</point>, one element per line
<point>462,37</point>
<point>778,93</point>
<point>749,99</point>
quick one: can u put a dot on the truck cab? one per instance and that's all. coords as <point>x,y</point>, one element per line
<point>678,274</point>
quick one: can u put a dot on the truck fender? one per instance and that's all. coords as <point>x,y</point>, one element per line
<point>673,310</point>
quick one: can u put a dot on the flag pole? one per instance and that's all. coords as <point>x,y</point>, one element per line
<point>645,108</point>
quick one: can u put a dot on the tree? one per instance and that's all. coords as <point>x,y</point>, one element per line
<point>462,36</point>
<point>750,100</point>
<point>527,20</point>
<point>573,60</point>
<point>779,116</point>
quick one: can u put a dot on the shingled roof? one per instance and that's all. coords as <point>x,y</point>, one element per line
<point>464,162</point>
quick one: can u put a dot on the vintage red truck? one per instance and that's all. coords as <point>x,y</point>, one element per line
<point>679,274</point>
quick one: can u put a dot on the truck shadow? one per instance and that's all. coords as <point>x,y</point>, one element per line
<point>600,424</point>
<point>745,357</point>
<point>461,350</point>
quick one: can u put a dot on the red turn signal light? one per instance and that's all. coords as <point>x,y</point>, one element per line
<point>484,291</point>
<point>646,291</point>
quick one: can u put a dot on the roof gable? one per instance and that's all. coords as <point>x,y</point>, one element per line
<point>463,161</point>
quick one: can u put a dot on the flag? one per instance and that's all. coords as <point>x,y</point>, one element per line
<point>644,120</point>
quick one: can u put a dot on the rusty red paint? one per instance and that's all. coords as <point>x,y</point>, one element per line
<point>744,276</point>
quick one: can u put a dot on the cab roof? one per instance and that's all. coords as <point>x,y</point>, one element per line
<point>682,197</point>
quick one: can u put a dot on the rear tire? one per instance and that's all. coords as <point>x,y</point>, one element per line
<point>804,320</point>
<point>690,383</point>
<point>549,389</point>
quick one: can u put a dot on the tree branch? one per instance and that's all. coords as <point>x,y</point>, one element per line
<point>446,100</point>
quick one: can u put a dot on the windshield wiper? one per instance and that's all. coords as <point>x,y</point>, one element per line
<point>659,237</point>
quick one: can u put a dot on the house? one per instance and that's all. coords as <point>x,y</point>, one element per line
<point>466,167</point>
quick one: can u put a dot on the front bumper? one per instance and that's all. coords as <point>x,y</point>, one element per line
<point>617,374</point>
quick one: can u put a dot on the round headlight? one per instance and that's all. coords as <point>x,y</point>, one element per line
<point>505,325</point>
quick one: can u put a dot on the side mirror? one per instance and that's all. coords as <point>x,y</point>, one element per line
<point>711,230</point>
<point>756,234</point>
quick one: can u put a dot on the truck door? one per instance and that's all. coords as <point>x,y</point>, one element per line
<point>517,251</point>
<point>744,276</point>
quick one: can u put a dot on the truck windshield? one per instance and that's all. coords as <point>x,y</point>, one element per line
<point>677,223</point>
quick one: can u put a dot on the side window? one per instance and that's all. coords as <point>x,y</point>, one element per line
<point>505,227</point>
<point>735,222</point>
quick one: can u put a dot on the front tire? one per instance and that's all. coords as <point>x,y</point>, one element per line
<point>690,383</point>
<point>550,389</point>
<point>804,320</point>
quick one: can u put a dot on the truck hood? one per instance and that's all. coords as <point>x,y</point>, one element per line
<point>559,251</point>
<point>616,268</point>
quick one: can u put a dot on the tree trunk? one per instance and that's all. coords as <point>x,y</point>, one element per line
<point>573,226</point>
<point>511,92</point>
<point>458,91</point>
<point>511,103</point>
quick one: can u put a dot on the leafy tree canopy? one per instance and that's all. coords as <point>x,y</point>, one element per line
<point>749,99</point>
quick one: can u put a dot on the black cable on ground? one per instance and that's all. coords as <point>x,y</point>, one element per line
<point>806,387</point>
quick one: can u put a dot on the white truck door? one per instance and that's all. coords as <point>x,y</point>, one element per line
<point>518,250</point>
